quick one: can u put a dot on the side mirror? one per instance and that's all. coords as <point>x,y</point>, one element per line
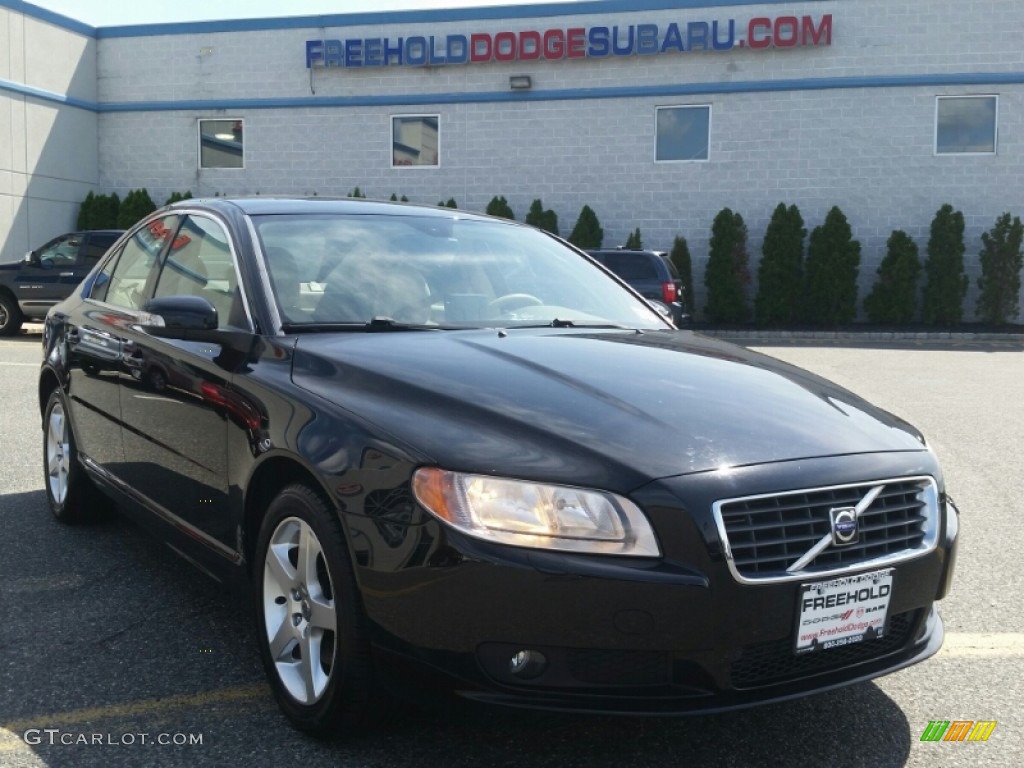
<point>31,258</point>
<point>178,317</point>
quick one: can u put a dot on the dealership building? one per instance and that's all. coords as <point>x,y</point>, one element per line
<point>655,113</point>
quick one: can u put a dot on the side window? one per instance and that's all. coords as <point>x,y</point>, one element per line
<point>200,263</point>
<point>62,252</point>
<point>137,261</point>
<point>95,247</point>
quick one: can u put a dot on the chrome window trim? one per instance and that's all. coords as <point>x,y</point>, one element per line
<point>930,496</point>
<point>264,276</point>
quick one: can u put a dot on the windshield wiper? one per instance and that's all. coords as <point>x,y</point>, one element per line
<point>557,323</point>
<point>377,325</point>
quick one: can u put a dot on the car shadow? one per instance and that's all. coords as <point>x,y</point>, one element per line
<point>107,598</point>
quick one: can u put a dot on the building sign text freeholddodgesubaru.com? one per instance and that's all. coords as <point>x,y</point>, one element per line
<point>574,43</point>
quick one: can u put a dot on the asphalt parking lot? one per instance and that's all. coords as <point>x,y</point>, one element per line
<point>111,643</point>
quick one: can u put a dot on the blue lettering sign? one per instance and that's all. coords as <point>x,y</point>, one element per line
<point>647,38</point>
<point>622,50</point>
<point>353,53</point>
<point>373,52</point>
<point>599,44</point>
<point>458,49</point>
<point>673,40</point>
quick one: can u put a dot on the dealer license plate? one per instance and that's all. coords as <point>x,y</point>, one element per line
<point>843,611</point>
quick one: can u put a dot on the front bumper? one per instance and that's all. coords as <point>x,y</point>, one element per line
<point>672,636</point>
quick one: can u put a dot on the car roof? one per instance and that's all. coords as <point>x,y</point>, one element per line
<point>259,206</point>
<point>627,251</point>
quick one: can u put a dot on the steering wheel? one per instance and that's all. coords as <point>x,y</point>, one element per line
<point>513,300</point>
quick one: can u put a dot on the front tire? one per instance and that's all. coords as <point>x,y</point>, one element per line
<point>310,625</point>
<point>71,495</point>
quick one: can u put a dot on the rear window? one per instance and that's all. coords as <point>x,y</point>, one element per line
<point>671,267</point>
<point>629,266</point>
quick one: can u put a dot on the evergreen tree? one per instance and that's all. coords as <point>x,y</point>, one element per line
<point>451,203</point>
<point>830,272</point>
<point>1000,271</point>
<point>830,284</point>
<point>945,281</point>
<point>542,219</point>
<point>894,296</point>
<point>727,273</point>
<point>177,197</point>
<point>499,207</point>
<point>680,256</point>
<point>357,193</point>
<point>86,212</point>
<point>137,204</point>
<point>780,272</point>
<point>634,242</point>
<point>587,233</point>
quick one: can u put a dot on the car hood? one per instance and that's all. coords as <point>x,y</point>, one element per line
<point>612,407</point>
<point>11,266</point>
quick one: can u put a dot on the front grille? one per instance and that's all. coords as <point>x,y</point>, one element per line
<point>768,534</point>
<point>777,662</point>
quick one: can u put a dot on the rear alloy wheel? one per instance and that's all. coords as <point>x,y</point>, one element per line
<point>71,495</point>
<point>10,316</point>
<point>310,624</point>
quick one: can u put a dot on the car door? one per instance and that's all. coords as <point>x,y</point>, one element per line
<point>44,280</point>
<point>173,398</point>
<point>94,333</point>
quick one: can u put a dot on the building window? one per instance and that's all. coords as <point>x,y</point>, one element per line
<point>220,144</point>
<point>682,134</point>
<point>415,141</point>
<point>966,125</point>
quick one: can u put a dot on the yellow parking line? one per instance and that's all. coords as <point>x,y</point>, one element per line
<point>251,692</point>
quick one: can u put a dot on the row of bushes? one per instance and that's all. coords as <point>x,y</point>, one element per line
<point>821,289</point>
<point>110,212</point>
<point>817,289</point>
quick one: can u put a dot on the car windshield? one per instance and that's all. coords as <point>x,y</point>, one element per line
<point>395,271</point>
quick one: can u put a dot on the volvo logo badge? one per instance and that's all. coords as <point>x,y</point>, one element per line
<point>845,530</point>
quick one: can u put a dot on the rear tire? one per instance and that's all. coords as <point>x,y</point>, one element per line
<point>10,316</point>
<point>310,624</point>
<point>69,491</point>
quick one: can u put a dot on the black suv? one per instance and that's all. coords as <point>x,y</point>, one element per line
<point>651,274</point>
<point>47,275</point>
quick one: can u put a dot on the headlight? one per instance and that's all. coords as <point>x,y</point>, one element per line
<point>533,515</point>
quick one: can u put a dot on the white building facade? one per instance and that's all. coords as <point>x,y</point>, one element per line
<point>656,114</point>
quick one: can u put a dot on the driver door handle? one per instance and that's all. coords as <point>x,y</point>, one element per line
<point>67,274</point>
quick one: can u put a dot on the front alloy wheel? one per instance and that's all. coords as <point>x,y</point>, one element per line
<point>298,610</point>
<point>309,618</point>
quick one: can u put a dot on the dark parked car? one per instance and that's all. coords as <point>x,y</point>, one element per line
<point>444,449</point>
<point>47,275</point>
<point>651,274</point>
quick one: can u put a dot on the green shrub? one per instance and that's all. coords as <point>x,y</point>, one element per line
<point>542,219</point>
<point>499,207</point>
<point>393,198</point>
<point>779,275</point>
<point>727,274</point>
<point>830,274</point>
<point>894,296</point>
<point>136,204</point>
<point>945,281</point>
<point>177,197</point>
<point>451,203</point>
<point>680,256</point>
<point>98,212</point>
<point>1000,271</point>
<point>587,233</point>
<point>357,193</point>
<point>634,242</point>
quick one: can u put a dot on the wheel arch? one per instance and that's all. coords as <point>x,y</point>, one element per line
<point>48,382</point>
<point>273,475</point>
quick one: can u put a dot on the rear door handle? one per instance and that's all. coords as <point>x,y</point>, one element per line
<point>67,274</point>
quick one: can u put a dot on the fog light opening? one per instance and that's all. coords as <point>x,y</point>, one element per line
<point>527,665</point>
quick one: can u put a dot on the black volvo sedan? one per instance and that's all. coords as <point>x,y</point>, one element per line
<point>447,450</point>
